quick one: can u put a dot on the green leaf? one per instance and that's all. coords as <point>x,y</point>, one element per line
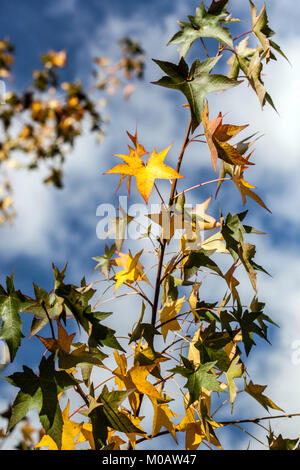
<point>99,424</point>
<point>248,327</point>
<point>116,419</point>
<point>210,346</point>
<point>76,300</point>
<point>52,303</point>
<point>79,356</point>
<point>198,378</point>
<point>108,415</point>
<point>246,254</point>
<point>196,260</point>
<point>104,261</point>
<point>205,24</point>
<point>195,83</point>
<point>11,302</point>
<point>101,335</point>
<point>232,230</point>
<point>40,393</point>
<point>283,444</point>
<point>261,28</point>
<point>146,331</point>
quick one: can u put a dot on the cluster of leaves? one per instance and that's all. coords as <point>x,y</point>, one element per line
<point>219,335</point>
<point>43,122</point>
<point>131,65</point>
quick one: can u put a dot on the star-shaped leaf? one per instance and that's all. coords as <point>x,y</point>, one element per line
<point>40,392</point>
<point>133,269</point>
<point>105,413</point>
<point>205,24</point>
<point>245,188</point>
<point>261,28</point>
<point>279,443</point>
<point>198,378</point>
<point>161,418</point>
<point>80,355</point>
<point>123,379</point>
<point>138,376</point>
<point>145,174</point>
<point>104,261</point>
<point>194,429</point>
<point>167,314</point>
<point>10,305</point>
<point>138,150</point>
<point>217,135</point>
<point>70,431</point>
<point>242,56</point>
<point>256,391</point>
<point>195,83</point>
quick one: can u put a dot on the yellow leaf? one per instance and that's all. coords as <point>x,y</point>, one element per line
<point>70,430</point>
<point>195,432</point>
<point>138,376</point>
<point>169,222</point>
<point>64,340</point>
<point>47,441</point>
<point>6,203</point>
<point>123,379</point>
<point>191,239</point>
<point>194,353</point>
<point>215,243</point>
<point>167,314</point>
<point>232,282</point>
<point>86,435</point>
<point>133,269</point>
<point>136,421</point>
<point>161,418</point>
<point>58,59</point>
<point>116,440</point>
<point>145,174</point>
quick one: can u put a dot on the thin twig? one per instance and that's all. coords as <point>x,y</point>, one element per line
<point>82,394</point>
<point>49,319</point>
<point>243,34</point>
<point>201,184</point>
<point>204,47</point>
<point>251,435</point>
<point>256,420</point>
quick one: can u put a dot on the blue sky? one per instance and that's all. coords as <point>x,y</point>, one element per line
<point>59,226</point>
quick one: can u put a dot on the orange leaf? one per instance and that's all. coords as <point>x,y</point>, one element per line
<point>217,134</point>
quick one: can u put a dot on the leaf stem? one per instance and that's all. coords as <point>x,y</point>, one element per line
<point>243,34</point>
<point>49,319</point>
<point>201,184</point>
<point>256,420</point>
<point>82,394</point>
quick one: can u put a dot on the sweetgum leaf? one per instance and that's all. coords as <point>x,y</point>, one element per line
<point>11,302</point>
<point>195,83</point>
<point>198,378</point>
<point>40,392</point>
<point>205,24</point>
